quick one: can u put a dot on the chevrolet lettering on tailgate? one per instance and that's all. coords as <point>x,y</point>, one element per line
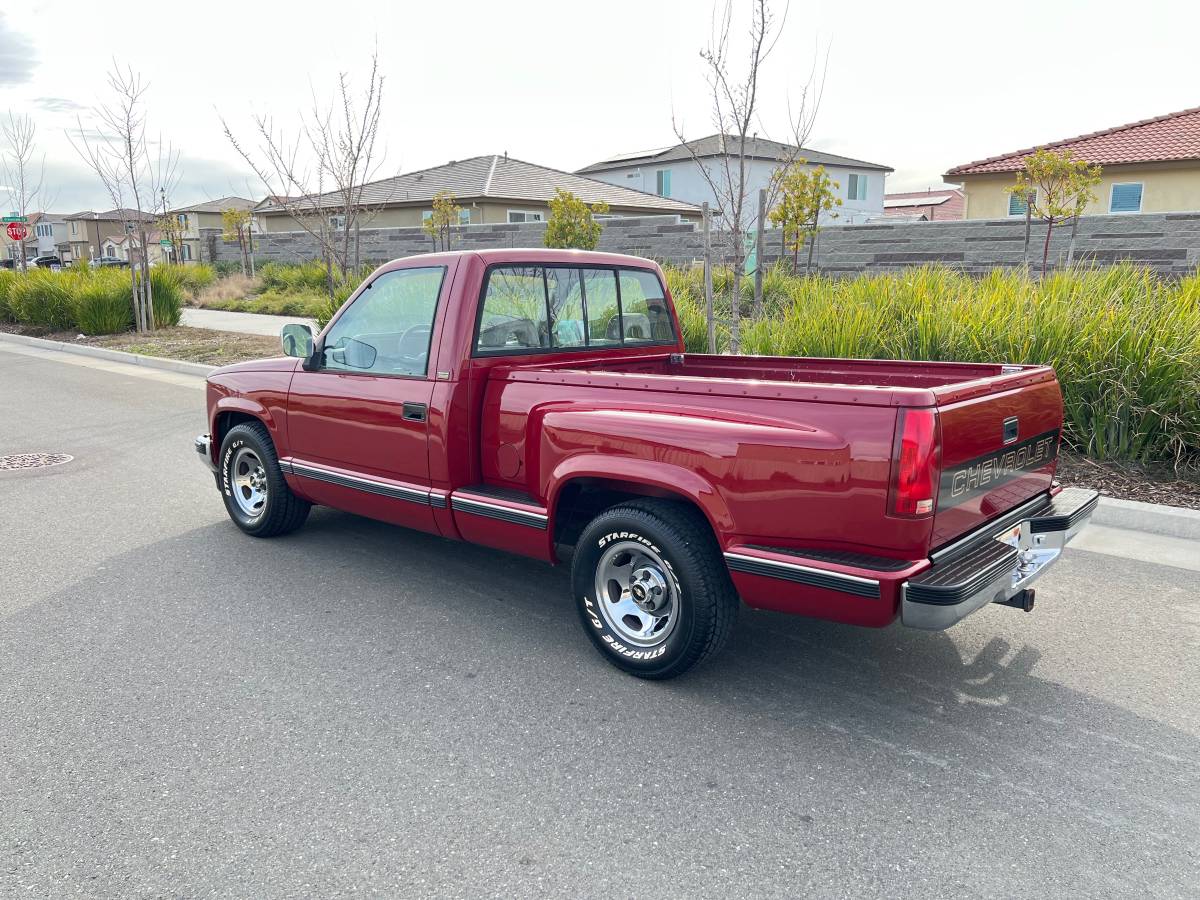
<point>984,473</point>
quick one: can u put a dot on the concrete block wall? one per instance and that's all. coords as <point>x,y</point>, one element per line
<point>1166,242</point>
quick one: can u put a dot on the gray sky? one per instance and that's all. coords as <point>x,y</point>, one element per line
<point>918,86</point>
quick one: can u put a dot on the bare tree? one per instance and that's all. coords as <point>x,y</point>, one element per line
<point>23,175</point>
<point>119,152</point>
<point>319,177</point>
<point>734,96</point>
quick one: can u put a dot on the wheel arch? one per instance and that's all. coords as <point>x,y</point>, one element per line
<point>582,489</point>
<point>235,411</point>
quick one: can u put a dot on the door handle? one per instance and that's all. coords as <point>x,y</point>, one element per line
<point>414,412</point>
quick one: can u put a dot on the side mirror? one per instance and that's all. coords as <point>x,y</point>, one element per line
<point>297,340</point>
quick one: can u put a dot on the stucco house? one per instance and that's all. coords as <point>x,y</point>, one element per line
<point>678,172</point>
<point>46,231</point>
<point>1147,166</point>
<point>203,215</point>
<point>88,232</point>
<point>490,189</point>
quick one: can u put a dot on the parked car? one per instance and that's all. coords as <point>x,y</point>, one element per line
<point>104,261</point>
<point>48,261</point>
<point>541,402</point>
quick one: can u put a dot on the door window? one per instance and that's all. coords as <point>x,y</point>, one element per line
<point>388,328</point>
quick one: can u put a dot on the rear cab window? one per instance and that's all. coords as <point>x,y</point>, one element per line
<point>544,309</point>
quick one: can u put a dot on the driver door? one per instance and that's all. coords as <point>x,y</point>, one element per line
<point>358,425</point>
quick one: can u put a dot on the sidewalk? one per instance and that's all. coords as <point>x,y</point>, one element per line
<point>244,323</point>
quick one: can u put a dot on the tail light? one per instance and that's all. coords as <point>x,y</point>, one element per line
<point>915,464</point>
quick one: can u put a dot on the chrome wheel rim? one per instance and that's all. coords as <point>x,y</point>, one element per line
<point>637,595</point>
<point>249,480</point>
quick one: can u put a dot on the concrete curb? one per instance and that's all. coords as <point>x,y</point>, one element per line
<point>1155,518</point>
<point>133,359</point>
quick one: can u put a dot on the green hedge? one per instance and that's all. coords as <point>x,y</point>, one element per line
<point>94,301</point>
<point>1125,342</point>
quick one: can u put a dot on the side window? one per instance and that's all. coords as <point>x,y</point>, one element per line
<point>644,308</point>
<point>604,316</point>
<point>566,308</point>
<point>514,310</point>
<point>388,328</point>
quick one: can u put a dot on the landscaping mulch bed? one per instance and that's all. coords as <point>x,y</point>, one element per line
<point>200,345</point>
<point>1148,482</point>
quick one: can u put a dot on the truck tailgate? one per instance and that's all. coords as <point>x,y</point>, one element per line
<point>998,451</point>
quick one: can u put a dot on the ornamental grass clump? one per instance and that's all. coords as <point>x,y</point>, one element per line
<point>1124,341</point>
<point>102,302</point>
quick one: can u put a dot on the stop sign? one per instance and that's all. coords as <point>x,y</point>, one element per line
<point>17,231</point>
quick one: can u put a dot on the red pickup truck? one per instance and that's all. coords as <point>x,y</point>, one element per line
<point>541,402</point>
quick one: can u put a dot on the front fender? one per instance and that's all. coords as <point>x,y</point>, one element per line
<point>222,400</point>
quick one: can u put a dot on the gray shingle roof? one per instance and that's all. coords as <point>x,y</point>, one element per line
<point>718,145</point>
<point>114,215</point>
<point>501,178</point>
<point>216,206</point>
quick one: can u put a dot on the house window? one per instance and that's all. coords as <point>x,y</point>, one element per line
<point>516,216</point>
<point>1017,204</point>
<point>856,187</point>
<point>337,223</point>
<point>662,185</point>
<point>464,216</point>
<point>1126,198</point>
<point>73,229</point>
<point>182,219</point>
<point>187,252</point>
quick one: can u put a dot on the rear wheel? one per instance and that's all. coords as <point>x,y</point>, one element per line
<point>256,495</point>
<point>651,588</point>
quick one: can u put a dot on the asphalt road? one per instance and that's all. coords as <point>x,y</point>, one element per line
<point>187,712</point>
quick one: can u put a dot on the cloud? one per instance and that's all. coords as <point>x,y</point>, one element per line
<point>58,105</point>
<point>70,186</point>
<point>17,56</point>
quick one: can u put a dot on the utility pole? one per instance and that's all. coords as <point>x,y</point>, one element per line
<point>708,284</point>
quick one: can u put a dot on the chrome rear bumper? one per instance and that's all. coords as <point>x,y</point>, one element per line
<point>997,566</point>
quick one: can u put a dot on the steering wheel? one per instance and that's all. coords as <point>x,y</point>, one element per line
<point>414,342</point>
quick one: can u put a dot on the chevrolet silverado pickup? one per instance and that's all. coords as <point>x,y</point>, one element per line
<point>541,402</point>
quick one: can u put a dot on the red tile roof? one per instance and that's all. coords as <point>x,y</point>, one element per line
<point>1174,136</point>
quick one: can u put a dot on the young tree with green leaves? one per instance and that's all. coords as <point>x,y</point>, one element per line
<point>445,215</point>
<point>1056,187</point>
<point>235,224</point>
<point>572,222</point>
<point>804,195</point>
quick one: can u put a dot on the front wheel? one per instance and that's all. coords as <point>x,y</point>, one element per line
<point>256,495</point>
<point>651,588</point>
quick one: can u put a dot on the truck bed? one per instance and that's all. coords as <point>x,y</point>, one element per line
<point>859,381</point>
<point>826,425</point>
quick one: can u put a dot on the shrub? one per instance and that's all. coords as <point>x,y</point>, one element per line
<point>166,288</point>
<point>306,277</point>
<point>41,297</point>
<point>226,267</point>
<point>103,303</point>
<point>1125,343</point>
<point>7,278</point>
<point>195,277</point>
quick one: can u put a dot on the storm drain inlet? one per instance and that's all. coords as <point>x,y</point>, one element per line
<point>33,460</point>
